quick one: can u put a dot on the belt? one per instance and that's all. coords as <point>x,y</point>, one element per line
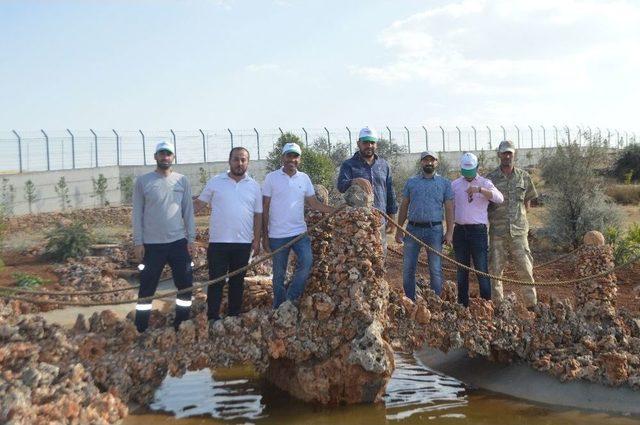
<point>471,225</point>
<point>426,224</point>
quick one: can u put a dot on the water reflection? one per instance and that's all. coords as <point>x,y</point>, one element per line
<point>415,395</point>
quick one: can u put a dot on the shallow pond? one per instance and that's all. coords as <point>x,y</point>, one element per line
<point>414,395</point>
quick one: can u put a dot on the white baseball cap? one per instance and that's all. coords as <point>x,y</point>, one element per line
<point>468,165</point>
<point>165,146</point>
<point>291,147</point>
<point>368,135</point>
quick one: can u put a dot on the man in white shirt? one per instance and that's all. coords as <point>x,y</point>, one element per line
<point>285,192</point>
<point>235,228</point>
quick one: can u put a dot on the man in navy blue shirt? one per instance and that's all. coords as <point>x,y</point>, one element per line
<point>372,174</point>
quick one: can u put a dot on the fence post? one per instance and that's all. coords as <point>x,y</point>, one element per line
<point>46,138</point>
<point>444,149</point>
<point>426,138</point>
<point>556,131</point>
<point>328,138</point>
<point>518,130</point>
<point>306,138</point>
<point>175,148</point>
<point>618,138</point>
<point>408,140</point>
<point>231,134</point>
<point>389,130</point>
<point>73,149</point>
<point>117,146</point>
<point>544,136</point>
<point>19,150</point>
<point>144,148</point>
<point>281,132</point>
<point>490,141</point>
<point>568,133</point>
<point>459,139</point>
<point>590,134</point>
<point>257,141</point>
<point>504,133</point>
<point>95,142</point>
<point>350,148</point>
<point>579,135</point>
<point>475,139</point>
<point>531,133</point>
<point>204,146</point>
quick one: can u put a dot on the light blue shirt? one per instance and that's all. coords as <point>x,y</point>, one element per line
<point>427,197</point>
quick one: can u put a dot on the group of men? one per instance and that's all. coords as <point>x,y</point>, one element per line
<point>246,218</point>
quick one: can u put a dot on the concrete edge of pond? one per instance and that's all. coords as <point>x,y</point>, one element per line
<point>522,381</point>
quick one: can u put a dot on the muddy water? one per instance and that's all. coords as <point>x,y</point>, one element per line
<point>415,395</point>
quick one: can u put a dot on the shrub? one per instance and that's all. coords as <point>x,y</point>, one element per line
<point>337,152</point>
<point>26,280</point>
<point>68,239</point>
<point>628,163</point>
<point>126,189</point>
<point>624,194</point>
<point>100,189</point>
<point>577,203</point>
<point>203,176</point>
<point>625,246</point>
<point>316,164</point>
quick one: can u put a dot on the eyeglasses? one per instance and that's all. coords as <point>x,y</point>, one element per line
<point>470,197</point>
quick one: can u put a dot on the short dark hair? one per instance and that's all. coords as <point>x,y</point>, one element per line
<point>239,148</point>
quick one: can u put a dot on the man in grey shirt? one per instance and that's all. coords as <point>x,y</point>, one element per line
<point>163,232</point>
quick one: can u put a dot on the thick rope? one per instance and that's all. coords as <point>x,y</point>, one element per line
<point>198,285</point>
<point>506,279</point>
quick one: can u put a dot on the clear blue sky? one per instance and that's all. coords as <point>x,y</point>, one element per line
<point>192,64</point>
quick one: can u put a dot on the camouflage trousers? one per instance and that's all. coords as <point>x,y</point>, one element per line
<point>516,247</point>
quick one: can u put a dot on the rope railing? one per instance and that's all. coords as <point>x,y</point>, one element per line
<point>198,285</point>
<point>502,278</point>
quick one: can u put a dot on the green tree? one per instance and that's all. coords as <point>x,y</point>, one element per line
<point>627,166</point>
<point>126,189</point>
<point>7,196</point>
<point>317,165</point>
<point>62,189</point>
<point>100,189</point>
<point>30,193</point>
<point>338,152</point>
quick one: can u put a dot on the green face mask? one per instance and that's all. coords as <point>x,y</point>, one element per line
<point>469,173</point>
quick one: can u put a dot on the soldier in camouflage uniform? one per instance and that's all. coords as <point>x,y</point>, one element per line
<point>508,223</point>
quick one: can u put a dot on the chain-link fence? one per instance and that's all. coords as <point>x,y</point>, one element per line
<point>43,150</point>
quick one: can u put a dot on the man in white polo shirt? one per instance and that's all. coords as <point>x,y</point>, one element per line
<point>234,229</point>
<point>285,192</point>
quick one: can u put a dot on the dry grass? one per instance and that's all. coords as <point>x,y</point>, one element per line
<point>625,194</point>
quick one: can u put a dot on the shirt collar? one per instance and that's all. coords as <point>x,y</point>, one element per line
<point>225,175</point>
<point>294,174</point>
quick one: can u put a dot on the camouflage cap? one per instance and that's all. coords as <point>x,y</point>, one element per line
<point>506,146</point>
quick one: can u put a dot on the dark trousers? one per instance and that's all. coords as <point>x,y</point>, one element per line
<point>224,258</point>
<point>156,256</point>
<point>471,241</point>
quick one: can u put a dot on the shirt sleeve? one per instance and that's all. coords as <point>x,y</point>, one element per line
<point>392,204</point>
<point>257,204</point>
<point>531,192</point>
<point>138,212</point>
<point>266,186</point>
<point>448,192</point>
<point>496,195</point>
<point>344,177</point>
<point>207,193</point>
<point>309,190</point>
<point>405,189</point>
<point>187,212</point>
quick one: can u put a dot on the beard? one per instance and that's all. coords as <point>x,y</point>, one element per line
<point>238,171</point>
<point>163,165</point>
<point>428,169</point>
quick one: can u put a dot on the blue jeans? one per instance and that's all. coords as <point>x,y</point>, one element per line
<point>432,236</point>
<point>302,248</point>
<point>470,241</point>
